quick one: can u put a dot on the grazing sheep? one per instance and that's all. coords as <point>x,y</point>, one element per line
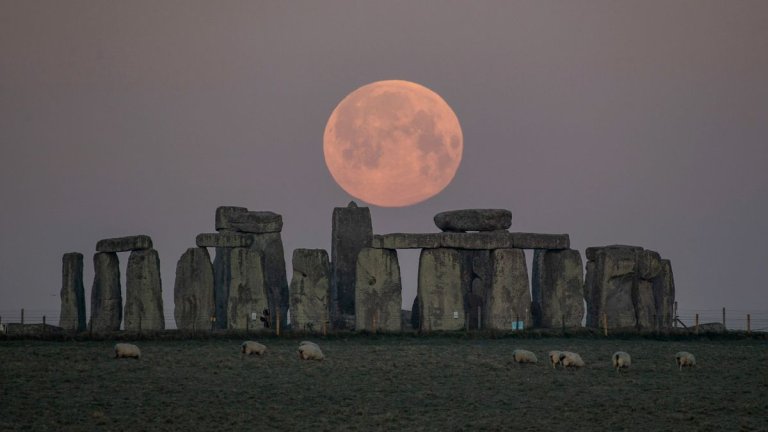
<point>571,359</point>
<point>554,358</point>
<point>126,350</point>
<point>251,347</point>
<point>621,360</point>
<point>686,359</point>
<point>524,356</point>
<point>310,351</point>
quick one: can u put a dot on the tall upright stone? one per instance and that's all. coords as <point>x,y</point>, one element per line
<point>509,298</point>
<point>476,278</point>
<point>222,278</point>
<point>310,289</point>
<point>351,232</point>
<point>439,290</point>
<point>557,288</point>
<point>378,291</point>
<point>247,293</point>
<point>143,292</point>
<point>629,287</point>
<point>193,290</point>
<point>72,315</point>
<point>270,245</point>
<point>106,295</point>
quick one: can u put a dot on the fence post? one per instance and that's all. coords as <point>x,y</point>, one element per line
<point>674,316</point>
<point>43,323</point>
<point>697,323</point>
<point>724,319</point>
<point>139,323</point>
<point>277,326</point>
<point>749,324</point>
<point>605,323</point>
<point>325,328</point>
<point>479,317</point>
<point>22,315</point>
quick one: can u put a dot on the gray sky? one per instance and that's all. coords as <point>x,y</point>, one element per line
<point>633,122</point>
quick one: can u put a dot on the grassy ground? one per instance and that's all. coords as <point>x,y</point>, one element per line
<point>384,383</point>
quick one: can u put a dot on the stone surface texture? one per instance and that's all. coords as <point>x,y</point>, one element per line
<point>124,244</point>
<point>310,289</point>
<point>477,240</point>
<point>222,277</point>
<point>632,286</point>
<point>270,245</point>
<point>439,290</point>
<point>474,220</point>
<point>475,284</point>
<point>378,291</point>
<point>257,222</point>
<point>351,232</point>
<point>247,291</point>
<point>193,290</point>
<point>72,293</point>
<point>224,216</point>
<point>106,295</point>
<point>224,239</point>
<point>557,289</point>
<point>143,292</point>
<point>509,297</point>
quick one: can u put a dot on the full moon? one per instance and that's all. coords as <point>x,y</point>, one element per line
<point>393,143</point>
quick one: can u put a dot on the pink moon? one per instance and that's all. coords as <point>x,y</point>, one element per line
<point>393,143</point>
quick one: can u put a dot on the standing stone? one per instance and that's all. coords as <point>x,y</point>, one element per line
<point>476,278</point>
<point>439,290</point>
<point>310,289</point>
<point>222,277</point>
<point>143,291</point>
<point>270,245</point>
<point>247,293</point>
<point>351,232</point>
<point>664,294</point>
<point>416,314</point>
<point>643,299</point>
<point>193,290</point>
<point>509,298</point>
<point>378,291</point>
<point>72,293</point>
<point>106,297</point>
<point>557,288</point>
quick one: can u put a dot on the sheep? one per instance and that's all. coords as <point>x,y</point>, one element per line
<point>126,350</point>
<point>524,356</point>
<point>571,359</point>
<point>310,351</point>
<point>686,359</point>
<point>621,360</point>
<point>554,358</point>
<point>251,347</point>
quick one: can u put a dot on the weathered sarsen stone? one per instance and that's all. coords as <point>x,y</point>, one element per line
<point>193,290</point>
<point>124,244</point>
<point>222,278</point>
<point>106,296</point>
<point>475,240</point>
<point>475,285</point>
<point>310,289</point>
<point>247,293</point>
<point>439,290</point>
<point>474,220</point>
<point>72,315</point>
<point>557,288</point>
<point>271,247</point>
<point>218,240</point>
<point>257,222</point>
<point>664,294</point>
<point>378,291</point>
<point>225,215</point>
<point>143,292</point>
<point>351,232</point>
<point>509,298</point>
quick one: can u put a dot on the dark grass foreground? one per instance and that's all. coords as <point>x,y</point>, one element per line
<point>382,383</point>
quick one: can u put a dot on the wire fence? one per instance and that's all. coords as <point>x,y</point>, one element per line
<point>691,319</point>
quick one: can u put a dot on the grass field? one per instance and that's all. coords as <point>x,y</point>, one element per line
<point>382,383</point>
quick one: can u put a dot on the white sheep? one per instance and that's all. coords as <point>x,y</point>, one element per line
<point>571,359</point>
<point>310,351</point>
<point>251,347</point>
<point>126,350</point>
<point>684,358</point>
<point>621,360</point>
<point>524,356</point>
<point>554,358</point>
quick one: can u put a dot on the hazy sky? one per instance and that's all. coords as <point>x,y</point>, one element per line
<point>632,122</point>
